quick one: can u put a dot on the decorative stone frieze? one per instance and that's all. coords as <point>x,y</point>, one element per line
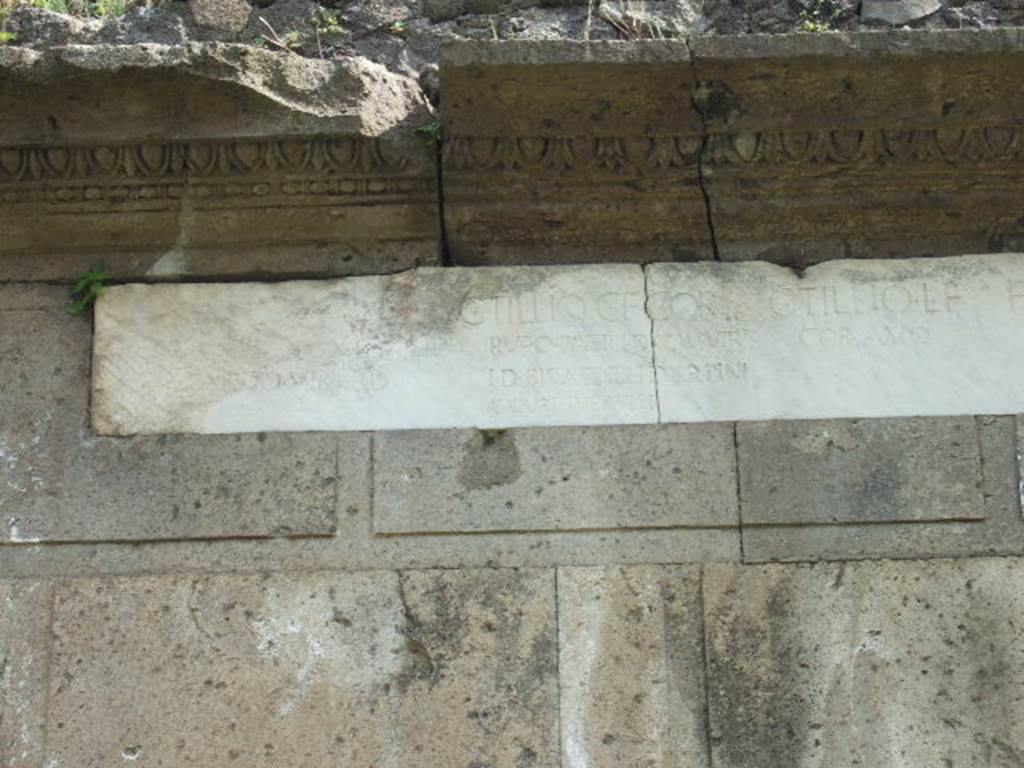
<point>207,160</point>
<point>789,148</point>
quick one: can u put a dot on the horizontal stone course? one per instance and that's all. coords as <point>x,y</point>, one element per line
<point>662,665</point>
<point>570,345</point>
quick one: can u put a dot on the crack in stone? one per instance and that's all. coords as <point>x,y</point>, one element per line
<point>654,355</point>
<point>708,726</point>
<point>702,152</point>
<point>739,496</point>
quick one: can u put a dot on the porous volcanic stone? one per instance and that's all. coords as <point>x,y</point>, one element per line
<point>880,663</point>
<point>361,669</point>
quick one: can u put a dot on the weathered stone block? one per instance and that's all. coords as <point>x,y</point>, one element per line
<point>880,664</point>
<point>631,664</point>
<point>881,144</point>
<point>211,159</point>
<point>433,348</point>
<point>555,479</point>
<point>571,151</point>
<point>24,667</point>
<point>59,482</point>
<point>857,472</point>
<point>1001,532</point>
<point>378,668</point>
<point>896,337</point>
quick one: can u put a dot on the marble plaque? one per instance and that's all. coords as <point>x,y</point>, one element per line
<point>484,347</point>
<point>872,338</point>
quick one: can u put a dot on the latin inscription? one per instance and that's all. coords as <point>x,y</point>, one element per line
<point>537,346</point>
<point>869,338</point>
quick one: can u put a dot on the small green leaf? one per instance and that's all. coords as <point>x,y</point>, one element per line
<point>87,288</point>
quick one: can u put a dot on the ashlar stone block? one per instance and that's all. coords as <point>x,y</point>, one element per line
<point>499,347</point>
<point>470,481</point>
<point>860,471</point>
<point>915,663</point>
<point>862,145</point>
<point>871,338</point>
<point>632,667</point>
<point>414,669</point>
<point>577,152</point>
<point>996,526</point>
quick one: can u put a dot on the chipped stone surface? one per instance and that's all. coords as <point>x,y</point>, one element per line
<point>24,667</point>
<point>631,665</point>
<point>58,482</point>
<point>1000,532</point>
<point>874,664</point>
<point>555,479</point>
<point>369,669</point>
<point>210,159</point>
<point>493,347</point>
<point>870,338</point>
<point>870,471</point>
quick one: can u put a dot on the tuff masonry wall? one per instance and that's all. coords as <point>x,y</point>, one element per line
<point>719,594</point>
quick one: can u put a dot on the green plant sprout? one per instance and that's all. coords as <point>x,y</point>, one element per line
<point>432,131</point>
<point>87,288</point>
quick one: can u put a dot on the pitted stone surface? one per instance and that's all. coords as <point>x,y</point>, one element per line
<point>880,664</point>
<point>555,479</point>
<point>495,347</point>
<point>24,667</point>
<point>855,472</point>
<point>59,482</point>
<point>369,669</point>
<point>998,531</point>
<point>631,665</point>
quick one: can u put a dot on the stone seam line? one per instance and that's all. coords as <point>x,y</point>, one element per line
<point>654,356</point>
<point>702,152</point>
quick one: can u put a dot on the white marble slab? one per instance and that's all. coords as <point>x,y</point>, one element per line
<point>915,337</point>
<point>482,347</point>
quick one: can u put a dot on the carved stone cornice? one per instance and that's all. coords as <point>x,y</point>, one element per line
<point>567,154</point>
<point>858,146</point>
<point>346,167</point>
